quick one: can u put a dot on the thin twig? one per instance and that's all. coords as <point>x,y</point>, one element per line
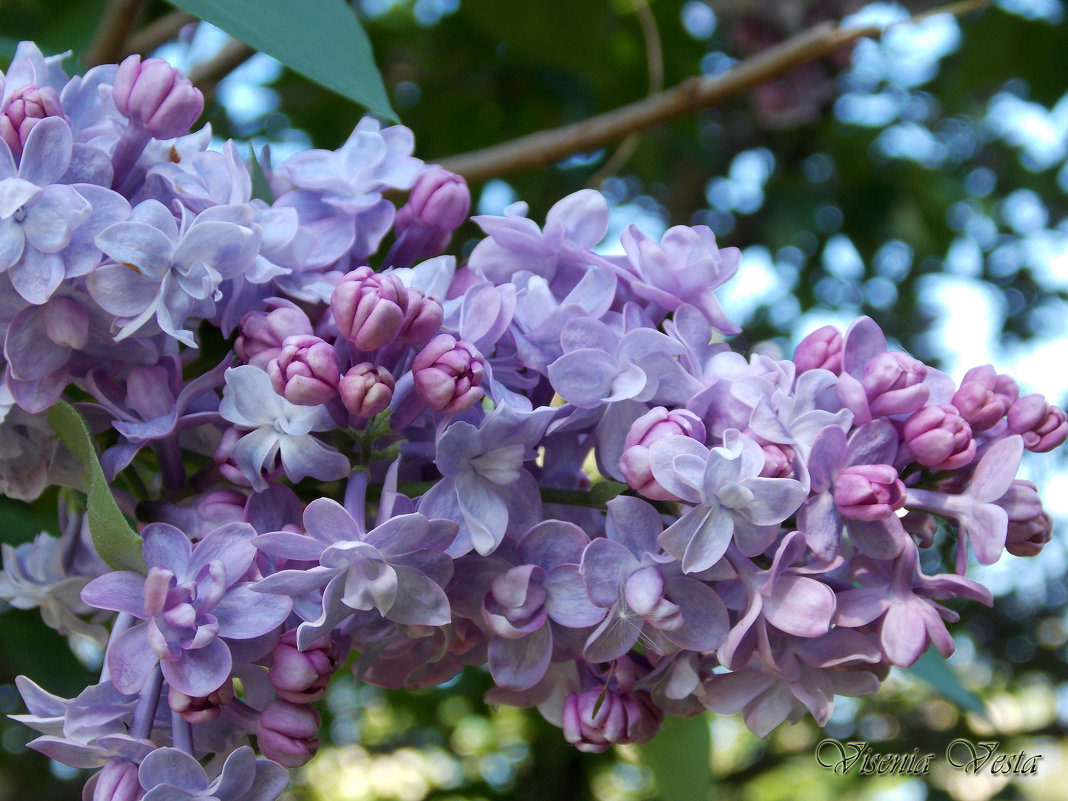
<point>115,25</point>
<point>548,147</point>
<point>160,30</point>
<point>206,76</point>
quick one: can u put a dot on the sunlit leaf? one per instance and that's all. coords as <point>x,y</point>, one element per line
<point>322,40</point>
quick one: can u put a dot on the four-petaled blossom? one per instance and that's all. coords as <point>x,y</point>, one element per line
<point>279,429</point>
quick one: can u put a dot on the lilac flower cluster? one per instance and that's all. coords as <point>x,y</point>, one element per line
<point>544,461</point>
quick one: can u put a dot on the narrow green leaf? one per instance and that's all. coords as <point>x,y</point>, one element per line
<point>113,537</point>
<point>604,491</point>
<point>679,758</point>
<point>321,39</point>
<point>934,670</point>
<point>261,188</point>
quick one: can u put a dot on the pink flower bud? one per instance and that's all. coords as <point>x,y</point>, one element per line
<point>597,718</point>
<point>301,676</point>
<point>868,492</point>
<point>654,425</point>
<point>984,397</point>
<point>306,372</point>
<point>778,461</point>
<point>157,96</point>
<point>201,710</point>
<point>117,781</point>
<point>440,199</point>
<point>262,333</point>
<point>447,374</point>
<point>1030,528</point>
<point>422,320</point>
<point>1042,425</point>
<point>366,389</point>
<point>892,382</point>
<point>286,732</point>
<point>940,438</point>
<point>369,308</point>
<point>26,107</point>
<point>820,350</point>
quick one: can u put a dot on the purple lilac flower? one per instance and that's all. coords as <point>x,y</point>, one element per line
<point>277,429</point>
<point>192,600</point>
<point>26,107</point>
<point>397,569</point>
<point>484,484</point>
<point>939,437</point>
<point>447,374</point>
<point>902,599</point>
<point>169,273</point>
<point>366,389</point>
<point>654,425</point>
<point>984,397</point>
<point>288,732</point>
<point>624,573</point>
<point>728,497</point>
<point>38,216</point>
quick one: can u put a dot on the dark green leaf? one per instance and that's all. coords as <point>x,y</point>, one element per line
<point>113,537</point>
<point>932,668</point>
<point>604,491</point>
<point>322,40</point>
<point>679,758</point>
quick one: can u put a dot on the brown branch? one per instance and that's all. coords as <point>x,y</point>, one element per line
<point>206,76</point>
<point>114,27</point>
<point>160,30</point>
<point>550,146</point>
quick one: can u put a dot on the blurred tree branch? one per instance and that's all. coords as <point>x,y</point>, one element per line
<point>547,147</point>
<point>115,25</point>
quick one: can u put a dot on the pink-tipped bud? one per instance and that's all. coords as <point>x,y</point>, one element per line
<point>306,372</point>
<point>654,425</point>
<point>1042,425</point>
<point>868,492</point>
<point>201,710</point>
<point>423,319</point>
<point>1030,528</point>
<point>820,350</point>
<point>447,374</point>
<point>440,199</point>
<point>117,781</point>
<point>369,308</point>
<point>984,397</point>
<point>27,107</point>
<point>66,322</point>
<point>778,461</point>
<point>597,718</point>
<point>301,676</point>
<point>893,383</point>
<point>156,96</point>
<point>262,333</point>
<point>366,389</point>
<point>940,438</point>
<point>287,732</point>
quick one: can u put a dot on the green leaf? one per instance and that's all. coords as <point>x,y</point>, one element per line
<point>321,39</point>
<point>113,537</point>
<point>679,758</point>
<point>604,491</point>
<point>261,188</point>
<point>934,670</point>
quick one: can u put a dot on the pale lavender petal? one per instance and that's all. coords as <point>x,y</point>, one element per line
<point>296,582</point>
<point>139,247</point>
<point>285,545</point>
<point>605,567</point>
<point>519,664</point>
<point>119,591</point>
<point>120,290</point>
<point>553,542</point>
<point>174,767</point>
<point>306,456</point>
<point>800,606</point>
<point>166,546</point>
<point>614,637</point>
<point>584,377</point>
<point>704,617</point>
<point>329,521</point>
<point>200,671</point>
<point>569,603</point>
<point>484,511</point>
<point>37,275</point>
<point>244,614</point>
<point>699,538</point>
<point>861,606</point>
<point>419,600</point>
<point>130,659</point>
<point>903,634</point>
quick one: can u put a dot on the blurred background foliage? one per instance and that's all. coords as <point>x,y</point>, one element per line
<point>920,180</point>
